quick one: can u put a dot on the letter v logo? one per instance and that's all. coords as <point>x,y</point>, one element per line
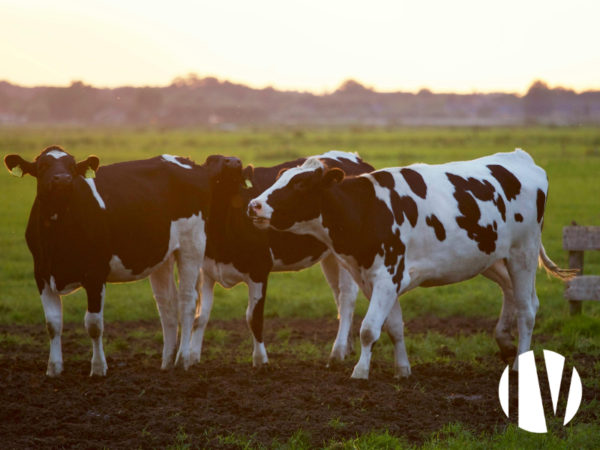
<point>531,409</point>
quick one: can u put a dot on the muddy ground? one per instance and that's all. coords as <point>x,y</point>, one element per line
<point>139,406</point>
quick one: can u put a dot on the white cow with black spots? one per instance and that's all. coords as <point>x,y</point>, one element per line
<point>424,225</point>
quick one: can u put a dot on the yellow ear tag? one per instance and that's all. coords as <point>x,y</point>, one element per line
<point>17,171</point>
<point>248,184</point>
<point>89,173</point>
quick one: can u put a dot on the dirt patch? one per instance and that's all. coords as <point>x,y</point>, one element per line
<point>137,405</point>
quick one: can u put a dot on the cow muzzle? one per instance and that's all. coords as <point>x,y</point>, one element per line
<point>257,212</point>
<point>232,163</point>
<point>60,182</point>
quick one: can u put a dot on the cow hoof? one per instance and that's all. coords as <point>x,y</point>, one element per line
<point>194,358</point>
<point>337,355</point>
<point>182,361</point>
<point>98,370</point>
<point>258,362</point>
<point>360,374</point>
<point>54,369</point>
<point>402,372</point>
<point>168,360</point>
<point>166,365</point>
<point>262,368</point>
<point>508,354</point>
<point>334,361</point>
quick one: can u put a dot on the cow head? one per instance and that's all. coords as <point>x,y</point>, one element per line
<point>294,197</point>
<point>223,170</point>
<point>54,169</point>
<point>227,179</point>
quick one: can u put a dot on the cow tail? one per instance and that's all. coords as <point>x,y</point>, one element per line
<point>552,269</point>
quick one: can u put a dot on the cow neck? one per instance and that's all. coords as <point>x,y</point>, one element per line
<point>343,210</point>
<point>227,215</point>
<point>51,211</point>
<point>264,177</point>
<point>67,233</point>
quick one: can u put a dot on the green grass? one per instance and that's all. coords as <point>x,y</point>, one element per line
<point>453,436</point>
<point>570,156</point>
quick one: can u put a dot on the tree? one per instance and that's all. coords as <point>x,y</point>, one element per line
<point>538,102</point>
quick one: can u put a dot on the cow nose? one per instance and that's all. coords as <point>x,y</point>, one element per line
<point>253,207</point>
<point>233,163</point>
<point>61,179</point>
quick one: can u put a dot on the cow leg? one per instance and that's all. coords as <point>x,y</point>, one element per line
<point>52,304</point>
<point>165,294</point>
<point>382,301</point>
<point>394,325</point>
<point>94,324</point>
<point>189,263</point>
<point>255,319</point>
<point>345,291</point>
<point>499,274</point>
<point>522,265</point>
<point>202,316</point>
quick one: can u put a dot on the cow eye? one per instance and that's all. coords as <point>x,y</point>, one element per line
<point>300,185</point>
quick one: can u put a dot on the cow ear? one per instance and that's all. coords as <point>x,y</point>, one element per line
<point>88,167</point>
<point>333,176</point>
<point>281,173</point>
<point>18,167</point>
<point>248,175</point>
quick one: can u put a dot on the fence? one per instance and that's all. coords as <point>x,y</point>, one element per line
<point>578,239</point>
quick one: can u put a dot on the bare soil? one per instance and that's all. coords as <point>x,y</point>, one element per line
<point>139,406</point>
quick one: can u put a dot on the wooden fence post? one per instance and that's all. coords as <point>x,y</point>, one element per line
<point>576,262</point>
<point>576,240</point>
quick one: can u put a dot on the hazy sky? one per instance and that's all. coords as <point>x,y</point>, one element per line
<point>454,45</point>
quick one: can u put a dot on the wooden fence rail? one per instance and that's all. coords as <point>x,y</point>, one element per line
<point>576,240</point>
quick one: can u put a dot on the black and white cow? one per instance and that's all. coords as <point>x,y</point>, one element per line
<point>236,252</point>
<point>134,219</point>
<point>423,225</point>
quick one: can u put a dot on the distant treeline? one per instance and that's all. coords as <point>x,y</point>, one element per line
<point>209,102</point>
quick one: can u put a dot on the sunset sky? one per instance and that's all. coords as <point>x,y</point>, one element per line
<point>314,45</point>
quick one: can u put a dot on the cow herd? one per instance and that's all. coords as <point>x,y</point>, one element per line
<point>384,232</point>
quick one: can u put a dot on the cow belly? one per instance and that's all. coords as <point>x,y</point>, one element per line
<point>67,288</point>
<point>430,273</point>
<point>183,233</point>
<point>280,266</point>
<point>119,273</point>
<point>224,273</point>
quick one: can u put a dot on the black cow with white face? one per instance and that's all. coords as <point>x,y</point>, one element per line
<point>134,219</point>
<point>423,225</point>
<point>236,252</point>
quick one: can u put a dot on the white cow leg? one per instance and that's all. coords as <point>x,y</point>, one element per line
<point>165,295</point>
<point>522,266</point>
<point>202,316</point>
<point>345,291</point>
<point>347,302</point>
<point>382,301</point>
<point>189,270</point>
<point>394,325</point>
<point>53,311</point>
<point>255,320</point>
<point>499,274</point>
<point>94,324</point>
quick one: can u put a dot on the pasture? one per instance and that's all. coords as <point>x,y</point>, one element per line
<point>450,400</point>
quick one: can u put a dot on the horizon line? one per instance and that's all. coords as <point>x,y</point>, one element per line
<point>194,76</point>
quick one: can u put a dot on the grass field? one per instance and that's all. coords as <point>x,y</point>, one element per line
<point>571,157</point>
